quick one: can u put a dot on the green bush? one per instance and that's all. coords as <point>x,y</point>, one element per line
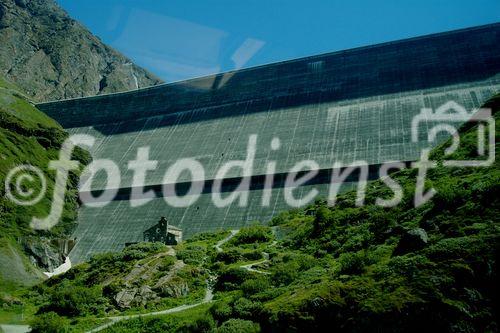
<point>229,256</point>
<point>221,310</point>
<point>252,255</point>
<point>69,300</point>
<point>238,326</point>
<point>191,254</point>
<point>49,322</point>
<point>247,309</point>
<point>231,279</point>
<point>204,324</point>
<point>285,273</point>
<point>252,234</point>
<point>142,250</point>
<point>352,263</point>
<point>256,285</point>
<point>166,264</point>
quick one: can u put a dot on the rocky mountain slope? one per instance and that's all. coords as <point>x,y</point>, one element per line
<point>50,56</point>
<point>28,136</point>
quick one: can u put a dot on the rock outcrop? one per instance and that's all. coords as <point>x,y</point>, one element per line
<point>51,56</point>
<point>43,254</point>
<point>174,288</point>
<point>141,296</point>
<point>412,240</point>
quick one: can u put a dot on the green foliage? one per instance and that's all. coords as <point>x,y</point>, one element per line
<point>229,256</point>
<point>238,326</point>
<point>28,136</point>
<point>289,266</point>
<point>189,321</point>
<point>231,278</point>
<point>252,234</point>
<point>247,309</point>
<point>221,310</point>
<point>142,250</point>
<point>352,263</point>
<point>71,301</point>
<point>49,322</point>
<point>255,285</point>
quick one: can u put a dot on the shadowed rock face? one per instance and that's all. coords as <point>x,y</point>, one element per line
<point>51,56</point>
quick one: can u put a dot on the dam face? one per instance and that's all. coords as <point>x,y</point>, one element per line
<point>342,107</point>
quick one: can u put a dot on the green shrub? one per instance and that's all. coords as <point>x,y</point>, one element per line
<point>49,322</point>
<point>221,311</point>
<point>252,255</point>
<point>142,250</point>
<point>229,256</point>
<point>69,300</point>
<point>231,279</point>
<point>352,263</point>
<point>284,273</point>
<point>256,285</point>
<point>246,309</point>
<point>166,263</point>
<point>191,254</point>
<point>238,326</point>
<point>204,324</point>
<point>253,234</point>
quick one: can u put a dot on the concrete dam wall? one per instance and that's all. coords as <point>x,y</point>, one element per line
<point>341,107</point>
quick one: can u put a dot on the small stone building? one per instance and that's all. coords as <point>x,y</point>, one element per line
<point>164,233</point>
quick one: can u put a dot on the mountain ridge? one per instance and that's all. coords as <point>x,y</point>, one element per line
<point>51,56</point>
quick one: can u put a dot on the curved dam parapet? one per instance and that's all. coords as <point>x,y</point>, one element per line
<point>341,107</point>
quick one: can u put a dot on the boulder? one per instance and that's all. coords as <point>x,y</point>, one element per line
<point>125,298</point>
<point>145,295</point>
<point>411,240</point>
<point>141,296</point>
<point>174,288</point>
<point>43,254</point>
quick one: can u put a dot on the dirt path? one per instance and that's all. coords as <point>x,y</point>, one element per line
<point>208,294</point>
<point>179,264</point>
<point>218,247</point>
<point>14,328</point>
<point>208,298</point>
<point>249,267</point>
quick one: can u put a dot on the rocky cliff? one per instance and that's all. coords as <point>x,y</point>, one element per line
<point>51,56</point>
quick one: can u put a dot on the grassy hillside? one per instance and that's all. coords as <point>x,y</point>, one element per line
<point>321,268</point>
<point>27,136</point>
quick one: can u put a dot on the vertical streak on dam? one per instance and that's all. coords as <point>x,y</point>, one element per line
<point>339,107</point>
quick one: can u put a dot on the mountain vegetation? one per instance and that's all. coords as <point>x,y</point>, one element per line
<point>28,136</point>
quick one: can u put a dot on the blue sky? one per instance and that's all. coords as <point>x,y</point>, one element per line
<point>180,39</point>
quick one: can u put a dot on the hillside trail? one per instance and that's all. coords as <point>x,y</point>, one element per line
<point>250,267</point>
<point>115,319</point>
<point>14,328</point>
<point>218,246</point>
<point>208,293</point>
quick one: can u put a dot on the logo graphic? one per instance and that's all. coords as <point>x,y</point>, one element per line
<point>453,113</point>
<point>19,185</point>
